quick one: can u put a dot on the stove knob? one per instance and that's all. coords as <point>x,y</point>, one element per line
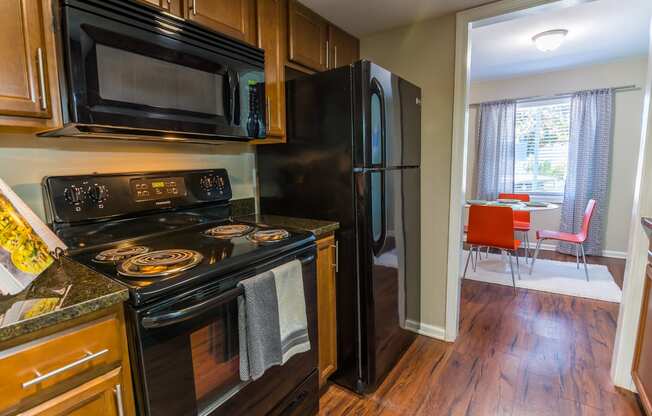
<point>98,193</point>
<point>207,183</point>
<point>74,194</point>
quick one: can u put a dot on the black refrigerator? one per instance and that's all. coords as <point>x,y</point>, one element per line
<point>352,155</point>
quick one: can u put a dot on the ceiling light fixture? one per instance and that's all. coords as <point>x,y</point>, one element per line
<point>549,40</point>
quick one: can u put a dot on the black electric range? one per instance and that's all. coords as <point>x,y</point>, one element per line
<point>169,238</point>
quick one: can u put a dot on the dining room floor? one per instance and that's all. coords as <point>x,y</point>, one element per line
<point>529,353</point>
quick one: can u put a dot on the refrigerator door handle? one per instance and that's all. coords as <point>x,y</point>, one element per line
<point>379,242</point>
<point>376,89</point>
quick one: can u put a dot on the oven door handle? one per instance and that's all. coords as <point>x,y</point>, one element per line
<point>174,317</point>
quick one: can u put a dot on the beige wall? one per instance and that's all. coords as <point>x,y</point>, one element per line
<point>627,131</point>
<point>424,53</point>
<point>25,159</point>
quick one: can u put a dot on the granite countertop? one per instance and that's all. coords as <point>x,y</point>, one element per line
<point>318,227</point>
<point>64,291</point>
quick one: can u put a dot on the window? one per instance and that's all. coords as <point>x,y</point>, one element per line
<point>541,156</point>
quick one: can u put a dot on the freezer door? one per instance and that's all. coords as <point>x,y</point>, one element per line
<point>389,268</point>
<point>388,124</point>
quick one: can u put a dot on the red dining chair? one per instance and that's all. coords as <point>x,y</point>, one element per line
<point>492,226</point>
<point>521,219</point>
<point>577,239</point>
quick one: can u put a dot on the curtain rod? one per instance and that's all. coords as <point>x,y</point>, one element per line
<point>631,87</point>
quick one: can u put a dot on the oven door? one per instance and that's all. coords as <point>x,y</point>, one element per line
<point>141,72</point>
<point>185,352</point>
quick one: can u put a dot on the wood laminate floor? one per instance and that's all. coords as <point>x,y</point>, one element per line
<point>532,353</point>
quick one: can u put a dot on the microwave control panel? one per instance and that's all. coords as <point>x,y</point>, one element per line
<point>72,199</point>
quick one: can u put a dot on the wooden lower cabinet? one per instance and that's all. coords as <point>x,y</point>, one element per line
<point>80,367</point>
<point>100,396</point>
<point>326,307</point>
<point>642,367</point>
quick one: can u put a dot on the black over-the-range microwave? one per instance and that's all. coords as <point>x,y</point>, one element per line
<point>129,71</point>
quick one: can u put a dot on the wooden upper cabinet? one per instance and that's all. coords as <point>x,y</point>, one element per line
<point>23,74</point>
<point>271,27</point>
<point>344,49</point>
<point>307,37</point>
<point>172,6</point>
<point>236,18</point>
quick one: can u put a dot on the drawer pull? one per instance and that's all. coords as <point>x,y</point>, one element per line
<point>118,399</point>
<point>89,356</point>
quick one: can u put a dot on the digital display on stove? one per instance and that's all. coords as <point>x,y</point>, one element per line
<point>157,189</point>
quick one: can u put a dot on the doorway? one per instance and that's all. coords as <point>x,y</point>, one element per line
<point>485,16</point>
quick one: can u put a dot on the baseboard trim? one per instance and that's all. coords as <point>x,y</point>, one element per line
<point>605,253</point>
<point>432,331</point>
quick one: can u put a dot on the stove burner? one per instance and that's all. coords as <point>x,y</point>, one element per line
<point>228,231</point>
<point>160,263</point>
<point>272,235</point>
<point>117,254</point>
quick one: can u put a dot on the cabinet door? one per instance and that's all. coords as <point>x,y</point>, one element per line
<point>308,34</point>
<point>343,48</point>
<point>172,6</point>
<point>326,308</point>
<point>271,38</point>
<point>235,18</point>
<point>642,366</point>
<point>23,80</point>
<point>100,396</point>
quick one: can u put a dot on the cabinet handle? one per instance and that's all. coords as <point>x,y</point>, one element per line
<point>41,79</point>
<point>268,117</point>
<point>336,246</point>
<point>118,399</point>
<point>194,7</point>
<point>334,56</point>
<point>328,55</point>
<point>88,357</point>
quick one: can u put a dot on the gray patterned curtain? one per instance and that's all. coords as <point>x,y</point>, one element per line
<point>589,155</point>
<point>496,146</point>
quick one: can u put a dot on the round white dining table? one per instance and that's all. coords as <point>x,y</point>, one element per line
<point>519,207</point>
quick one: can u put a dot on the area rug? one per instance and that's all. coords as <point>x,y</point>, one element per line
<point>548,276</point>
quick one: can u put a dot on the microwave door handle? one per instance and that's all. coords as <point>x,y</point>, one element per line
<point>181,315</point>
<point>226,94</point>
<point>235,94</point>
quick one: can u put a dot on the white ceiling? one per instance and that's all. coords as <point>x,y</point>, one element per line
<point>362,17</point>
<point>598,31</point>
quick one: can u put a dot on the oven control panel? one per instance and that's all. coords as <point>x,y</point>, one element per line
<point>153,189</point>
<point>71,199</point>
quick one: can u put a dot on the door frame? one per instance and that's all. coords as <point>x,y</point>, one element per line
<point>637,248</point>
<point>479,16</point>
<point>638,244</point>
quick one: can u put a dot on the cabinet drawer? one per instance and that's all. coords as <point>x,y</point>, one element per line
<point>35,367</point>
<point>100,396</point>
